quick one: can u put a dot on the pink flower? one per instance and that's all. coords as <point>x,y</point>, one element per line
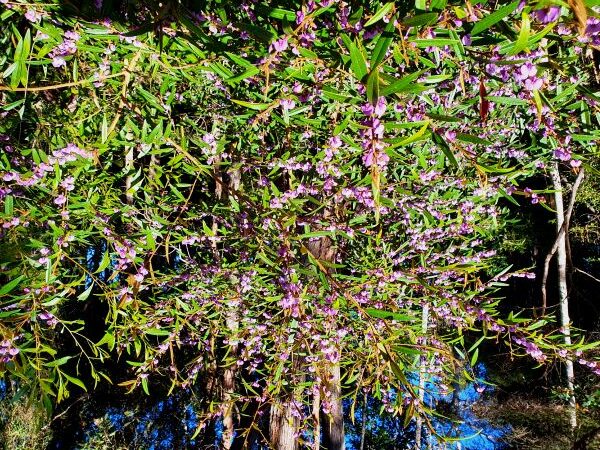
<point>33,16</point>
<point>58,61</point>
<point>279,45</point>
<point>60,200</point>
<point>547,15</point>
<point>287,104</point>
<point>380,107</point>
<point>72,35</point>
<point>533,84</point>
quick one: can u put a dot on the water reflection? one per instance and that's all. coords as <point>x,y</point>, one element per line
<point>170,423</point>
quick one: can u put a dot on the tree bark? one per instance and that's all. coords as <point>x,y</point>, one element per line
<point>563,294</point>
<point>333,429</point>
<point>283,426</point>
<point>422,367</point>
<point>316,412</point>
<point>562,231</point>
<point>363,427</point>
<point>232,323</point>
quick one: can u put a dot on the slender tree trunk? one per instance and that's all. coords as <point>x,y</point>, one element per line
<point>333,429</point>
<point>563,294</point>
<point>231,322</point>
<point>333,423</point>
<point>422,367</point>
<point>363,427</point>
<point>316,412</point>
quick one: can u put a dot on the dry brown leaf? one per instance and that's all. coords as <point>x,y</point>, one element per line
<point>578,8</point>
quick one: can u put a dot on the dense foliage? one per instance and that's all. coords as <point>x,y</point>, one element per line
<point>273,203</point>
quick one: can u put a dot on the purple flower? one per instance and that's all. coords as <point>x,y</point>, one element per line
<point>60,200</point>
<point>72,35</point>
<point>335,142</point>
<point>287,104</point>
<point>533,84</point>
<point>33,16</point>
<point>368,109</point>
<point>380,107</point>
<point>68,183</point>
<point>528,70</point>
<point>547,15</point>
<point>593,26</point>
<point>563,154</point>
<point>279,45</point>
<point>58,61</point>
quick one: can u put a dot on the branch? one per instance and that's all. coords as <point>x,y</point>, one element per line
<point>563,229</point>
<point>589,275</point>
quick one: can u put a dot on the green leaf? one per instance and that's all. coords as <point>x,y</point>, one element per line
<point>421,20</point>
<point>11,285</point>
<point>413,138</point>
<point>436,42</point>
<point>472,139</point>
<point>104,263</point>
<point>380,14</point>
<point>506,100</point>
<point>85,294</point>
<point>278,13</point>
<point>108,339</point>
<point>145,385</point>
<point>438,139</point>
<point>404,84</point>
<point>75,381</point>
<point>474,357</point>
<point>373,86</point>
<point>247,74</point>
<point>157,332</point>
<point>383,43</point>
<point>358,61</point>
<point>150,98</point>
<point>494,18</point>
<point>239,60</point>
<point>380,314</point>
<point>58,362</point>
<point>19,74</point>
<point>250,105</point>
<point>8,205</point>
<point>522,40</point>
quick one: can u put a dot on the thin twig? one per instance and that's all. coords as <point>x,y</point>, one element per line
<point>585,273</point>
<point>45,427</point>
<point>563,229</point>
<point>128,70</point>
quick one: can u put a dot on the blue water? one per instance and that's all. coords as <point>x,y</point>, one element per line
<point>465,431</point>
<point>474,433</point>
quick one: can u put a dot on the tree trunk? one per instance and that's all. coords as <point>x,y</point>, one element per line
<point>363,425</point>
<point>283,426</point>
<point>316,412</point>
<point>422,367</point>
<point>231,321</point>
<point>563,294</point>
<point>333,429</point>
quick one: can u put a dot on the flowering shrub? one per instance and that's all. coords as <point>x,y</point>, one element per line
<point>270,193</point>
